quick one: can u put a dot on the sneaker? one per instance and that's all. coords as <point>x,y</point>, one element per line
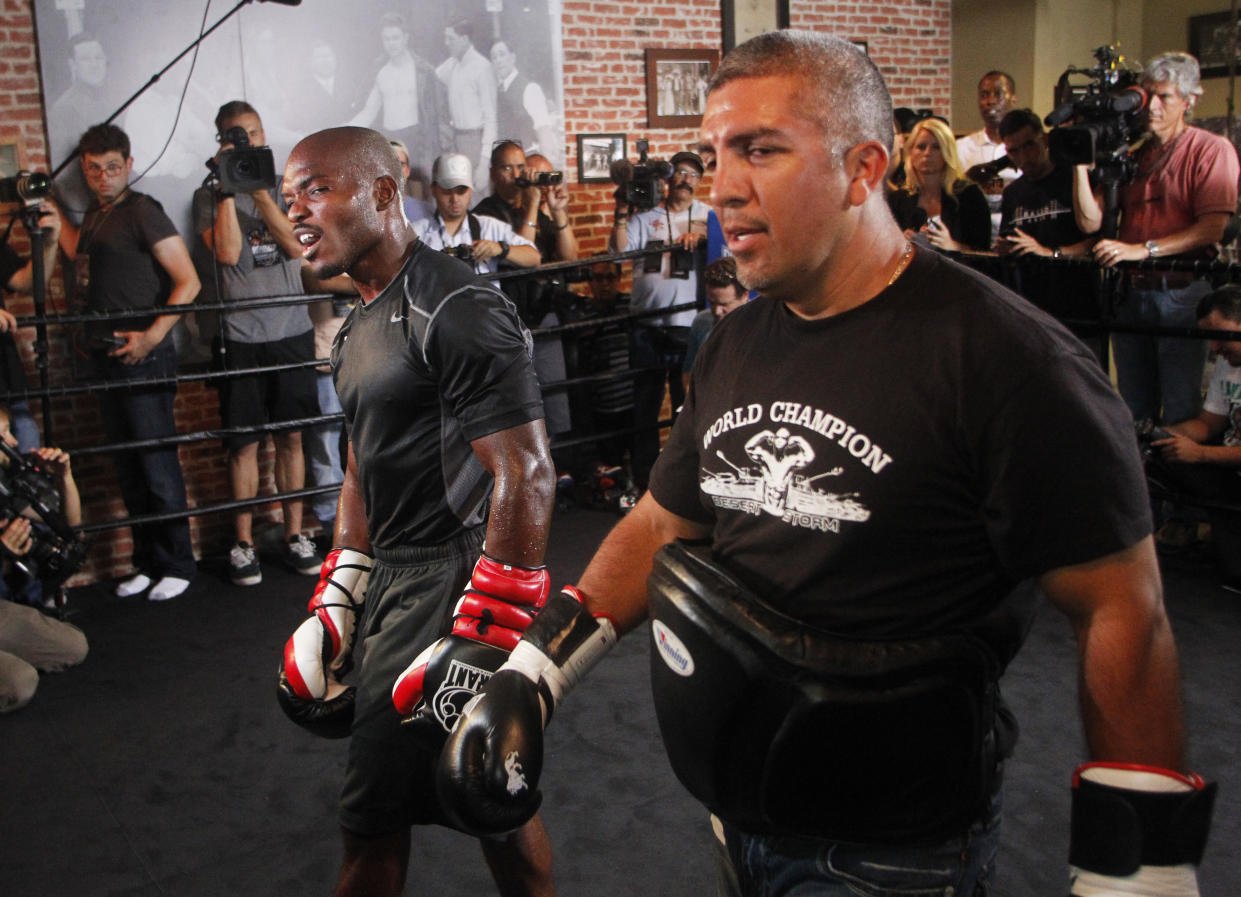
<point>301,555</point>
<point>243,565</point>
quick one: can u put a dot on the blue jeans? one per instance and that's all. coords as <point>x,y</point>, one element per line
<point>662,348</point>
<point>1161,377</point>
<point>23,427</point>
<point>150,479</point>
<point>810,867</point>
<point>322,444</point>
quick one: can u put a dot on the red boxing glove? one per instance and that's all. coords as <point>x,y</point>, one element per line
<point>497,606</point>
<point>500,602</point>
<point>319,653</point>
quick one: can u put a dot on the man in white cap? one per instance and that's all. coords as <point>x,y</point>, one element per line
<point>482,241</point>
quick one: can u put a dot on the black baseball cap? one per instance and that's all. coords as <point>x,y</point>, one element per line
<point>686,156</point>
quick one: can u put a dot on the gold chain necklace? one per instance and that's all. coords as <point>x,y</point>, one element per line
<point>903,263</point>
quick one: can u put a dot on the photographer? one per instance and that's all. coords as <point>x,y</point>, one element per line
<point>480,240</point>
<point>252,244</point>
<point>538,212</point>
<point>1178,204</point>
<point>660,281</point>
<point>128,255</point>
<point>19,278</point>
<point>29,640</point>
<point>1202,455</point>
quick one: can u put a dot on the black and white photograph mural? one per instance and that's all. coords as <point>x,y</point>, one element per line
<point>439,77</point>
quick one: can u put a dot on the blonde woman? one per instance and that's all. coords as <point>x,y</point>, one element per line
<point>936,199</point>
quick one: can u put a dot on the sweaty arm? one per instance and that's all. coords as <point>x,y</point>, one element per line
<point>523,495</point>
<point>614,584</point>
<point>1129,679</point>
<point>351,528</point>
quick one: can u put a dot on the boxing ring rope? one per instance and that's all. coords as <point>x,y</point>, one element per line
<point>1217,271</point>
<point>48,392</point>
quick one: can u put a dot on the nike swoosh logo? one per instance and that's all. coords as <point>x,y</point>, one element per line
<point>396,319</point>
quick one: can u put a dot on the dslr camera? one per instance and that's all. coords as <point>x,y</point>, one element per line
<point>465,253</point>
<point>25,187</point>
<point>1105,115</point>
<point>540,179</point>
<point>639,184</point>
<point>56,553</point>
<point>245,168</point>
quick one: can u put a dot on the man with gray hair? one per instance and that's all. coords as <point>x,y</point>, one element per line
<point>857,521</point>
<point>1177,206</point>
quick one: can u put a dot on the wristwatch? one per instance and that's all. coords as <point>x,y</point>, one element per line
<point>503,250</point>
<point>1152,249</point>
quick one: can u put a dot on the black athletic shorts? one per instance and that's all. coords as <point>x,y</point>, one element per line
<point>267,398</point>
<point>390,780</point>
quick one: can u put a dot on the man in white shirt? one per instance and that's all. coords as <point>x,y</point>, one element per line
<point>997,96</point>
<point>411,98</point>
<point>483,242</point>
<point>522,110</point>
<point>471,99</point>
<point>660,281</point>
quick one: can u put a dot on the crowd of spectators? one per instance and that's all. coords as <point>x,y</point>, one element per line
<point>476,124</point>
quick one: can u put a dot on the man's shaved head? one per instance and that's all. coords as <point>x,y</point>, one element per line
<point>360,152</point>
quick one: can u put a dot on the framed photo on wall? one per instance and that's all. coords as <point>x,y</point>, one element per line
<point>595,155</point>
<point>1210,38</point>
<point>744,19</point>
<point>676,86</point>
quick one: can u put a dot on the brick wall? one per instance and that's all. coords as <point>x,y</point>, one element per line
<point>605,91</point>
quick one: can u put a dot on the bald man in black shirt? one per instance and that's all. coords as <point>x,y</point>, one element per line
<point>447,445</point>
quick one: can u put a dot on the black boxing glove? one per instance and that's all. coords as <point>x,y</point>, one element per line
<point>495,609</point>
<point>489,769</point>
<point>320,651</point>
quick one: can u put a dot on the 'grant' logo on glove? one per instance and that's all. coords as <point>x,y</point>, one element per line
<point>460,685</point>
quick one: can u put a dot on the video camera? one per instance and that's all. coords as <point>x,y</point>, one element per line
<point>25,187</point>
<point>56,553</point>
<point>1107,115</point>
<point>540,179</point>
<point>244,168</point>
<point>465,253</point>
<point>639,185</point>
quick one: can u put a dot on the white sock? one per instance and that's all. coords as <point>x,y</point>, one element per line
<point>132,586</point>
<point>168,587</point>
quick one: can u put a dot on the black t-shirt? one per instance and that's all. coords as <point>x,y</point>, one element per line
<point>965,214</point>
<point>544,227</point>
<point>436,360</point>
<point>902,466</point>
<point>1044,210</point>
<point>124,273</point>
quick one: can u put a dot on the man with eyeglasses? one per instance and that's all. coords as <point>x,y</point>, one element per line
<point>660,281</point>
<point>128,255</point>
